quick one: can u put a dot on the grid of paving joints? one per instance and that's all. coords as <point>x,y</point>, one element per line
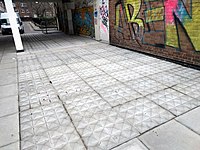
<point>48,127</point>
<point>174,101</point>
<point>143,114</point>
<point>36,93</point>
<point>110,95</point>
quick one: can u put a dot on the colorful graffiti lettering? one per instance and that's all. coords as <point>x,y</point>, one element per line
<point>160,23</point>
<point>155,14</point>
<point>84,21</point>
<point>178,14</point>
<point>136,24</point>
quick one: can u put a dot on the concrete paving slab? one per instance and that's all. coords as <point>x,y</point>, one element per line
<point>143,114</point>
<point>8,106</point>
<point>169,79</point>
<point>48,127</point>
<point>174,101</point>
<point>9,129</point>
<point>8,90</point>
<point>8,65</point>
<point>134,144</point>
<point>118,94</point>
<point>13,146</point>
<point>191,120</point>
<point>8,76</point>
<point>8,59</point>
<point>190,88</point>
<point>171,136</point>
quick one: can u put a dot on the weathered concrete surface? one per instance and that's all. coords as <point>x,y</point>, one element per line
<point>173,136</point>
<point>191,120</point>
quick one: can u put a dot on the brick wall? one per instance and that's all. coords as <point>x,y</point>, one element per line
<point>168,28</point>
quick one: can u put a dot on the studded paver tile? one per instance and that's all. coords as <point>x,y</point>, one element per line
<point>105,130</point>
<point>129,63</point>
<point>164,65</point>
<point>47,57</point>
<point>173,136</point>
<point>143,114</point>
<point>186,72</point>
<point>118,94</point>
<point>35,93</point>
<point>90,72</point>
<point>116,58</point>
<point>90,57</point>
<point>50,64</point>
<point>125,75</point>
<point>85,105</point>
<point>99,62</point>
<point>64,54</point>
<point>74,90</point>
<point>69,89</point>
<point>31,75</point>
<point>64,78</point>
<point>28,65</point>
<point>48,127</point>
<point>168,79</point>
<point>82,52</point>
<point>106,54</point>
<point>146,70</point>
<point>98,50</point>
<point>112,67</point>
<point>101,81</point>
<point>57,70</point>
<point>145,85</point>
<point>82,65</point>
<point>174,101</point>
<point>147,59</point>
<point>190,88</point>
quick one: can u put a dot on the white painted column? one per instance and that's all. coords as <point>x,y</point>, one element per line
<point>97,20</point>
<point>14,27</point>
<point>104,20</point>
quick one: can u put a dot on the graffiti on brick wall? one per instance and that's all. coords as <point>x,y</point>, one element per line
<point>84,21</point>
<point>160,23</point>
<point>104,16</point>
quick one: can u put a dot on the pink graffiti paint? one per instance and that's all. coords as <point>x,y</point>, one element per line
<point>103,27</point>
<point>170,7</point>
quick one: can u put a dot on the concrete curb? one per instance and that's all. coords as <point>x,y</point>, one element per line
<point>35,28</point>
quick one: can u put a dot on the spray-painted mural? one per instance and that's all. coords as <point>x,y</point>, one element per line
<point>104,20</point>
<point>160,23</point>
<point>84,21</point>
<point>104,14</point>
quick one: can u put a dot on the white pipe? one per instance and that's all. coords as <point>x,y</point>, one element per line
<point>14,26</point>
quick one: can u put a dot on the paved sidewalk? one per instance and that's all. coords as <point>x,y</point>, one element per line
<point>77,93</point>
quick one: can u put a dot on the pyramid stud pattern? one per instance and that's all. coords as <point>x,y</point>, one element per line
<point>48,127</point>
<point>143,114</point>
<point>174,101</point>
